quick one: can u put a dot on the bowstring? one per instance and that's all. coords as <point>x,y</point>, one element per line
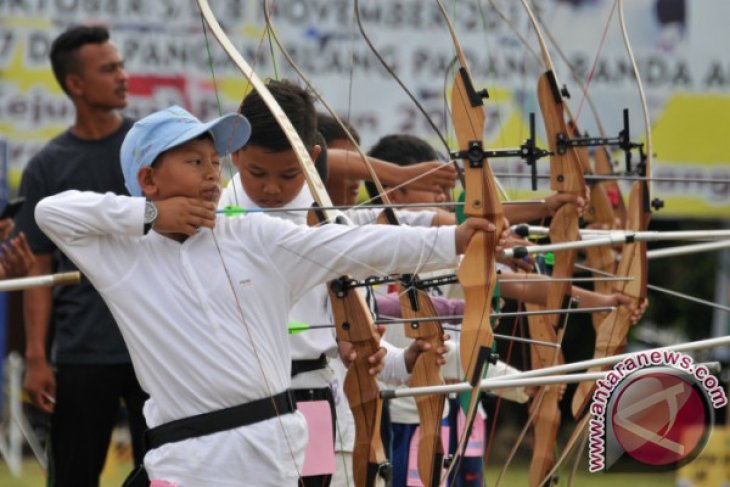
<point>231,285</point>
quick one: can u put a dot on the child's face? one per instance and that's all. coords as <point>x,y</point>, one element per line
<point>407,196</point>
<point>270,179</point>
<point>192,169</point>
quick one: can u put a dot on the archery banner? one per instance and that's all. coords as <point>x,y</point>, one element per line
<point>681,49</point>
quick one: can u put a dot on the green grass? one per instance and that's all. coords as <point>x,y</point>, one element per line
<point>34,476</point>
<point>115,472</point>
<point>118,465</point>
<point>517,476</point>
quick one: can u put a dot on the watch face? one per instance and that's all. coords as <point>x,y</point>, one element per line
<point>150,212</point>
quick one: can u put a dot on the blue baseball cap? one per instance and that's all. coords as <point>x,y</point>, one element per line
<point>169,128</point>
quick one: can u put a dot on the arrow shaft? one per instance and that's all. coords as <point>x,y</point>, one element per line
<point>40,281</point>
<point>616,238</point>
<point>560,369</point>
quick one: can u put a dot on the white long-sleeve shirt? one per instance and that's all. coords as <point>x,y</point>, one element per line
<point>205,319</point>
<point>314,307</point>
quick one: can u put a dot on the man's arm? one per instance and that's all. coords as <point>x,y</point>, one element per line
<point>40,382</point>
<point>426,176</point>
<point>544,209</point>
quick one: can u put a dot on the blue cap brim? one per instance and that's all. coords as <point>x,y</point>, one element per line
<point>230,132</point>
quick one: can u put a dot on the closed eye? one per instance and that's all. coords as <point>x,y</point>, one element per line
<point>256,173</point>
<point>291,175</point>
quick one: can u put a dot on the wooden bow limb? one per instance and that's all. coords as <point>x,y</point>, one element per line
<point>544,413</point>
<point>571,445</point>
<point>566,176</point>
<point>545,410</point>
<point>416,303</point>
<point>18,284</point>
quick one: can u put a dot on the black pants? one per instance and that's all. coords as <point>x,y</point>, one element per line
<point>88,398</point>
<point>324,394</point>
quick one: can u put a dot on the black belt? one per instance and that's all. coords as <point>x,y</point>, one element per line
<point>221,420</point>
<point>301,366</point>
<point>304,395</point>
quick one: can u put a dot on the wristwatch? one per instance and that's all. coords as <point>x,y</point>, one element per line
<point>150,215</point>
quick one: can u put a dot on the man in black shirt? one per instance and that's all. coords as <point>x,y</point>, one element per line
<point>93,371</point>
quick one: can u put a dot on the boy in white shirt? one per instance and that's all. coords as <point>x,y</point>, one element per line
<point>270,177</point>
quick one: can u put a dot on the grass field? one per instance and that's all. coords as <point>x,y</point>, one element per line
<point>115,472</point>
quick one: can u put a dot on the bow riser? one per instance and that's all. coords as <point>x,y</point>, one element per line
<point>598,210</point>
<point>566,176</point>
<point>355,325</point>
<point>563,228</point>
<point>476,331</point>
<point>426,372</point>
<point>478,278</point>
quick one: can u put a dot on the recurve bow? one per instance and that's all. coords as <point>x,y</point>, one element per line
<point>611,334</point>
<point>477,271</point>
<point>566,176</point>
